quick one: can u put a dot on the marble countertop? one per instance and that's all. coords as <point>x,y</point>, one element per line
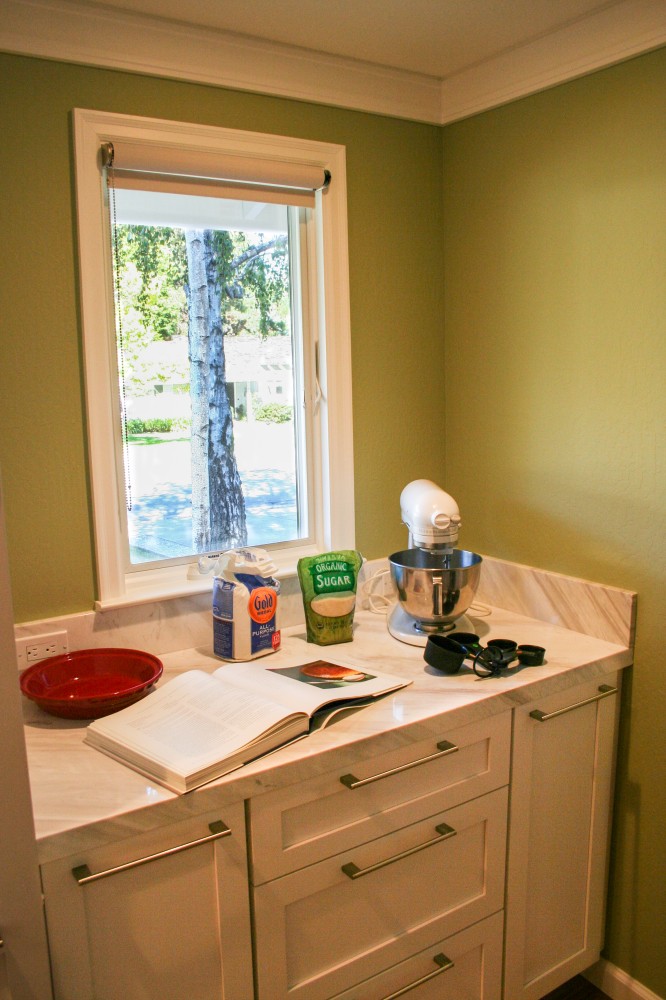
<point>83,799</point>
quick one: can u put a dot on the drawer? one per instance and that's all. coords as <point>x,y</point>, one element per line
<point>299,825</point>
<point>466,966</point>
<point>323,929</point>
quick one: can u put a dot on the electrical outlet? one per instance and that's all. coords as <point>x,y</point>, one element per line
<point>33,648</point>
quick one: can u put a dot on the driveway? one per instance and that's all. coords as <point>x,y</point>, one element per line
<point>160,519</point>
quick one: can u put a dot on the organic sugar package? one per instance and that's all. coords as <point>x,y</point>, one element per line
<point>328,584</point>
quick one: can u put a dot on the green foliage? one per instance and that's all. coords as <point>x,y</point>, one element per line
<point>159,256</point>
<point>156,425</point>
<point>266,276</point>
<point>222,242</point>
<point>152,276</point>
<point>274,413</point>
<point>253,274</point>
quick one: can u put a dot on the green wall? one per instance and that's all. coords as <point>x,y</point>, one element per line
<point>548,387</point>
<point>395,249</point>
<point>555,364</point>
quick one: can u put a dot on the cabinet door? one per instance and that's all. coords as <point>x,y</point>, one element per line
<point>24,959</point>
<point>561,791</point>
<point>327,928</point>
<point>4,981</point>
<point>161,916</point>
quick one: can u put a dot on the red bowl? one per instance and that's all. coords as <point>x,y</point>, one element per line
<point>90,683</point>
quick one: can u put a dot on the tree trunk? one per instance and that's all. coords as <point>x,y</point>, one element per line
<point>227,504</point>
<point>218,505</point>
<point>198,339</point>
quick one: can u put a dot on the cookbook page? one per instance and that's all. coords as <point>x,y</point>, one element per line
<point>309,686</point>
<point>190,721</point>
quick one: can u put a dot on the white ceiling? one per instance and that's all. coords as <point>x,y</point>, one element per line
<point>428,60</point>
<point>434,37</point>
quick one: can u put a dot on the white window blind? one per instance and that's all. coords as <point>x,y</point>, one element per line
<point>213,175</point>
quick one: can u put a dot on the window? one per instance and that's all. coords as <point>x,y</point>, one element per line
<point>224,419</point>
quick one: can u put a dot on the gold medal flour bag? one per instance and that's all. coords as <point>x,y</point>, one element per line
<point>328,583</point>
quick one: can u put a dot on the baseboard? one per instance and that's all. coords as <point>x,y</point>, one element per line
<point>618,985</point>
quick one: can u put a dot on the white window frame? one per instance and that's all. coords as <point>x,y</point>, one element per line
<point>328,410</point>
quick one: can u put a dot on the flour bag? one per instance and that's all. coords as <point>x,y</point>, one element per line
<point>245,605</point>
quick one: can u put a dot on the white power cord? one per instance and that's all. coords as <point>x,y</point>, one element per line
<point>378,604</point>
<point>479,610</point>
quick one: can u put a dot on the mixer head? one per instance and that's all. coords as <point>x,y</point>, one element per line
<point>431,515</point>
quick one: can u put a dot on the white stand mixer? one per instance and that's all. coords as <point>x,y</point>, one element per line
<point>436,582</point>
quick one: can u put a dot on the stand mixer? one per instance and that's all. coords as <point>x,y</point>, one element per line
<point>436,582</point>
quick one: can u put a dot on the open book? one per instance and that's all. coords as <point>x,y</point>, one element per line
<point>199,726</point>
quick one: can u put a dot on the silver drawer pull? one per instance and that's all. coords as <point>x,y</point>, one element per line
<point>443,749</point>
<point>443,962</point>
<point>604,691</point>
<point>353,871</point>
<point>83,875</point>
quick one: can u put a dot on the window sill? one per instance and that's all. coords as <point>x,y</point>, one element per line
<point>171,583</point>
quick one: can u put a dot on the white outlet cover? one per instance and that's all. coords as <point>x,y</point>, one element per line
<point>47,644</point>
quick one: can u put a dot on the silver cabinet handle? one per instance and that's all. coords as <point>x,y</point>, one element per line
<point>443,962</point>
<point>83,875</point>
<point>443,749</point>
<point>604,691</point>
<point>353,871</point>
<point>2,943</point>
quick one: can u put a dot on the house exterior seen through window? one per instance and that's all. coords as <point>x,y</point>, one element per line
<point>214,447</point>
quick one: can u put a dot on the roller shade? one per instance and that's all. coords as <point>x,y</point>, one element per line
<point>182,171</point>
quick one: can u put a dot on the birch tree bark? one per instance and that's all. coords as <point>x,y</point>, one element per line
<point>197,334</point>
<point>226,500</point>
<point>218,505</point>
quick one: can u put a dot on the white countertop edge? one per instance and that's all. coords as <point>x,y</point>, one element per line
<point>83,799</point>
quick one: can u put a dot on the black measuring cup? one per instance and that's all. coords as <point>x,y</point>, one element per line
<point>499,653</point>
<point>444,653</point>
<point>448,652</point>
<point>505,650</point>
<point>530,656</point>
<point>468,640</point>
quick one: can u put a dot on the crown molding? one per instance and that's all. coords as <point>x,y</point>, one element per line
<point>76,32</point>
<point>103,36</point>
<point>609,36</point>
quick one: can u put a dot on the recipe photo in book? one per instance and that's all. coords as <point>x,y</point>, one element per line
<point>199,726</point>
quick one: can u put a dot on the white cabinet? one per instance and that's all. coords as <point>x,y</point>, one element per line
<point>300,824</point>
<point>382,879</point>
<point>4,980</point>
<point>561,796</point>
<point>160,916</point>
<point>24,959</point>
<point>368,878</point>
<point>465,966</point>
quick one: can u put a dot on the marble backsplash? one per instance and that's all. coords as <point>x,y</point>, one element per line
<point>604,612</point>
<point>159,627</point>
<point>186,623</point>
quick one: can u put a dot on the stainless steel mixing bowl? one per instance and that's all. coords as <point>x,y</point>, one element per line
<point>434,588</point>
